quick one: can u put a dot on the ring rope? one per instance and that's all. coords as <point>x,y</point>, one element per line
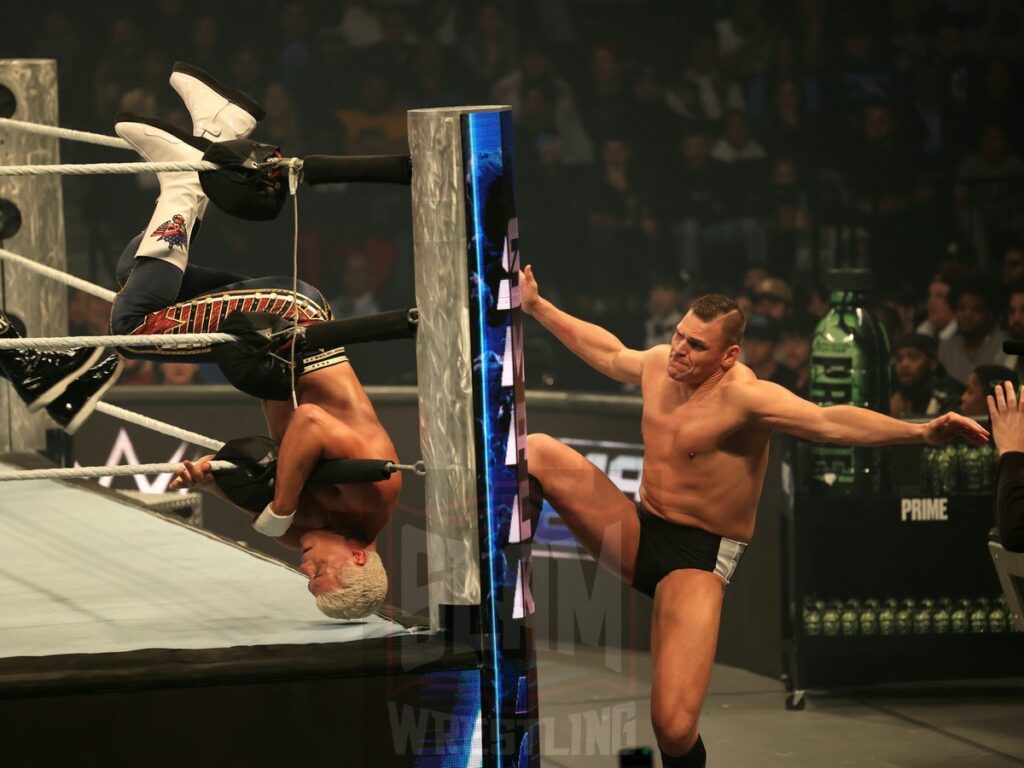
<point>65,133</point>
<point>61,277</point>
<point>293,188</point>
<point>71,473</point>
<point>161,340</point>
<point>162,427</point>
<point>101,169</point>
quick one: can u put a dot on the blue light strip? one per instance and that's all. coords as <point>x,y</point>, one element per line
<point>473,120</point>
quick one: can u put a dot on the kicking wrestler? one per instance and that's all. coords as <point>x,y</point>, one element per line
<point>706,425</point>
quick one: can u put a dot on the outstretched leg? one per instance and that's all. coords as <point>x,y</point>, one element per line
<point>154,271</point>
<point>601,517</point>
<point>161,253</point>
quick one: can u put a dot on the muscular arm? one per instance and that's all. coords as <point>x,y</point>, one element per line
<point>778,408</point>
<point>312,434</point>
<point>598,348</point>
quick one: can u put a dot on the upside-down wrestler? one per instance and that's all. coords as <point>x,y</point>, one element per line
<point>335,526</point>
<point>706,424</point>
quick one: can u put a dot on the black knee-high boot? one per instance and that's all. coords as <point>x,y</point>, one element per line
<point>41,376</point>
<point>697,757</point>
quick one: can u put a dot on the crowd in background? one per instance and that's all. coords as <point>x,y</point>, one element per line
<point>662,150</point>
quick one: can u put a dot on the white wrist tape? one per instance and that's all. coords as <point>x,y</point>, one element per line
<point>269,523</point>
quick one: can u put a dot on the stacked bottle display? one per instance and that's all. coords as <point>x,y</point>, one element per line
<point>957,468</point>
<point>849,366</point>
<point>869,617</point>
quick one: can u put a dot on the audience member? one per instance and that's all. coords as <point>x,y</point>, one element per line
<point>759,347</point>
<point>703,93</point>
<point>773,297</point>
<point>1015,321</point>
<point>978,340</point>
<point>664,309</point>
<point>790,226</point>
<point>574,144</point>
<point>358,296</point>
<point>989,198</point>
<point>940,321</point>
<point>724,140</point>
<point>922,388</point>
<point>138,373</point>
<point>375,124</point>
<point>980,383</point>
<point>488,50</point>
<point>1012,271</point>
<point>178,374</point>
<point>795,348</point>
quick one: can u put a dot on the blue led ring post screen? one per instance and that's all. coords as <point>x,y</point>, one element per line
<point>509,685</point>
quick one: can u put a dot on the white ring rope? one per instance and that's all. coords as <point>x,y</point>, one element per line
<point>161,340</point>
<point>69,473</point>
<point>293,189</point>
<point>162,427</point>
<point>100,169</point>
<point>65,133</point>
<point>61,277</point>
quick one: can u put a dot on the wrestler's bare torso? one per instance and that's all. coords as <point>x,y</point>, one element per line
<point>704,460</point>
<point>358,510</point>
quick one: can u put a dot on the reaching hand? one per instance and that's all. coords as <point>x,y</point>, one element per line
<point>529,295</point>
<point>193,475</point>
<point>1004,408</point>
<point>951,426</point>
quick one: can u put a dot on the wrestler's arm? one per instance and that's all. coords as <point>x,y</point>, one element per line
<point>598,348</point>
<point>312,435</point>
<point>779,409</point>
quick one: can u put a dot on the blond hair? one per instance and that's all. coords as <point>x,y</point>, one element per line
<point>364,591</point>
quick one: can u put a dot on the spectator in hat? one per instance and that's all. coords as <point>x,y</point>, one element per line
<point>978,340</point>
<point>773,297</point>
<point>760,342</point>
<point>922,387</point>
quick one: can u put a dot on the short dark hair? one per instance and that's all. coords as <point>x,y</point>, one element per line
<point>928,345</point>
<point>991,376</point>
<point>711,306</point>
<point>975,287</point>
<point>1017,287</point>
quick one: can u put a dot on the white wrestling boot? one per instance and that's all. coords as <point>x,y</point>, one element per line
<point>181,196</point>
<point>218,113</point>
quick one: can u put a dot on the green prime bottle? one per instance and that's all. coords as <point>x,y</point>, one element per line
<point>849,366</point>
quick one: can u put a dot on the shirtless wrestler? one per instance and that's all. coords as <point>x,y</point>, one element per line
<point>335,526</point>
<point>706,425</point>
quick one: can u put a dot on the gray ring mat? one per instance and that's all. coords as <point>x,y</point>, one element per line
<point>81,572</point>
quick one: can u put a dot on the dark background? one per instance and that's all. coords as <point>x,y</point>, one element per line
<point>652,138</point>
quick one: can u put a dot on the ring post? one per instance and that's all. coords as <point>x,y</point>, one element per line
<point>472,412</point>
<point>40,302</point>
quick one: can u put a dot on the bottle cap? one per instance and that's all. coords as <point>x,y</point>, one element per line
<point>848,280</point>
